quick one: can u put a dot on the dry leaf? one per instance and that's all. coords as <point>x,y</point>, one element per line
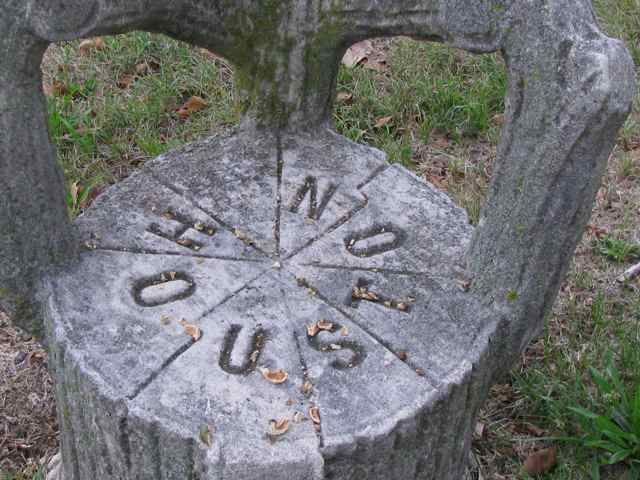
<point>345,97</point>
<point>279,427</point>
<point>314,414</point>
<point>47,89</point>
<point>312,330</point>
<point>307,388</point>
<point>541,461</point>
<point>35,357</point>
<point>298,417</point>
<point>125,81</point>
<point>277,376</point>
<point>205,435</point>
<point>194,104</point>
<point>383,121</point>
<point>89,44</point>
<point>191,330</point>
<point>479,430</point>
<point>325,325</point>
<point>356,53</point>
<point>73,191</point>
<point>344,331</point>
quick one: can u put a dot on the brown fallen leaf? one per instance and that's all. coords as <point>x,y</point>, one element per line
<point>125,81</point>
<point>277,376</point>
<point>307,388</point>
<point>312,330</point>
<point>194,104</point>
<point>191,330</point>
<point>344,97</point>
<point>314,414</point>
<point>325,325</point>
<point>356,53</point>
<point>37,356</point>
<point>381,122</point>
<point>89,44</point>
<point>279,427</point>
<point>541,461</point>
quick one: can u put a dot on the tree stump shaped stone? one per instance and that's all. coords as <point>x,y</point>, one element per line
<point>279,302</point>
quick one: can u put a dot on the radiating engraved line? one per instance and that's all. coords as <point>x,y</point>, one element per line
<point>144,251</point>
<point>341,221</point>
<point>327,266</point>
<point>194,203</point>
<point>432,381</point>
<point>279,169</point>
<point>371,177</point>
<point>305,378</point>
<point>233,294</point>
<point>174,356</point>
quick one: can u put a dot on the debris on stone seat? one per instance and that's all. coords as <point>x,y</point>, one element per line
<point>464,284</point>
<point>298,417</point>
<point>279,427</point>
<point>192,330</point>
<point>314,414</point>
<point>312,330</point>
<point>307,388</point>
<point>242,236</point>
<point>206,435</point>
<point>199,226</point>
<point>165,320</point>
<point>344,331</point>
<point>277,376</point>
<point>325,325</point>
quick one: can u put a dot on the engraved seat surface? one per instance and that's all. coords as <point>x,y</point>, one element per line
<point>257,241</point>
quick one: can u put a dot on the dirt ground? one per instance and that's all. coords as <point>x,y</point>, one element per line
<point>28,424</point>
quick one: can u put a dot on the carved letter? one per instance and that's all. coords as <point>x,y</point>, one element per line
<point>257,344</point>
<point>162,289</point>
<point>310,187</point>
<point>177,236</point>
<point>374,240</point>
<point>358,351</point>
<point>361,292</point>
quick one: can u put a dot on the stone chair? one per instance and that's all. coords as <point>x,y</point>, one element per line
<point>279,302</point>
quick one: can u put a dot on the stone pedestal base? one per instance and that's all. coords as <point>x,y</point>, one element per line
<point>257,307</point>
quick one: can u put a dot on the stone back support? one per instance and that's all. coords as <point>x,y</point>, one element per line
<point>570,89</point>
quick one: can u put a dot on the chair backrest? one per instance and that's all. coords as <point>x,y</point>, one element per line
<point>570,89</point>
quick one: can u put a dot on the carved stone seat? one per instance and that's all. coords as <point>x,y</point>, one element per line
<point>279,302</point>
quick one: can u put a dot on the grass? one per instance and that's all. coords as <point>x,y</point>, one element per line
<point>437,111</point>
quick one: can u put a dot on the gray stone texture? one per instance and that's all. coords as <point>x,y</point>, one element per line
<point>212,263</point>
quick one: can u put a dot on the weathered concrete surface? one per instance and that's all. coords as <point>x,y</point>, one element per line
<point>285,194</point>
